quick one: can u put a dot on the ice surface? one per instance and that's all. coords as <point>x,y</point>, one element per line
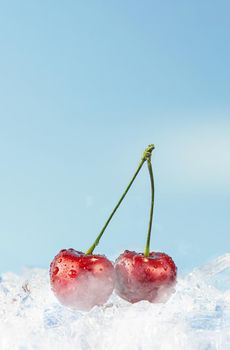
<point>197,316</point>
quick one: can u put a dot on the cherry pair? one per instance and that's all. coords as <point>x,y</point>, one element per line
<point>83,280</point>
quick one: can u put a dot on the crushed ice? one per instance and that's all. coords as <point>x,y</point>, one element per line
<point>197,316</point>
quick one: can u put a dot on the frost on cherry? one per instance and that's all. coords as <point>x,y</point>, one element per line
<point>81,281</point>
<point>85,292</point>
<point>149,278</point>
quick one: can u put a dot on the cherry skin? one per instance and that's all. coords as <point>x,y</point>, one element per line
<point>81,281</point>
<point>144,278</point>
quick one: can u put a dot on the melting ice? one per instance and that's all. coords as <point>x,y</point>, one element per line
<point>197,316</point>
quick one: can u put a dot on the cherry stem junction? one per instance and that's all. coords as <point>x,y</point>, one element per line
<point>146,157</point>
<point>147,246</point>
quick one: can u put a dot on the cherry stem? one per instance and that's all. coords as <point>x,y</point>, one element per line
<point>146,252</point>
<point>146,156</point>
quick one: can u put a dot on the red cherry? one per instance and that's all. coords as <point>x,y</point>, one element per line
<point>144,278</point>
<point>81,281</point>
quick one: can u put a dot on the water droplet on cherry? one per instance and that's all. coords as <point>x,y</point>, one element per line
<point>72,273</point>
<point>56,270</point>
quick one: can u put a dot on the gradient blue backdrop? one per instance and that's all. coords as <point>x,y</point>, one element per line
<point>84,87</point>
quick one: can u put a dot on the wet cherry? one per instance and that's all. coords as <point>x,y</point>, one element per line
<point>149,275</point>
<point>144,278</point>
<point>81,281</point>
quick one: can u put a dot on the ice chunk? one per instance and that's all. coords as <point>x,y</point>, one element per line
<point>196,317</point>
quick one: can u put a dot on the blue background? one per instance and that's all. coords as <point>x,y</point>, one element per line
<point>85,86</point>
